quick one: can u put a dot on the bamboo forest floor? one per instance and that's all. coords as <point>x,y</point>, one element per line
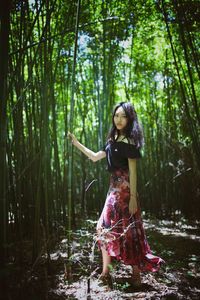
<point>59,278</point>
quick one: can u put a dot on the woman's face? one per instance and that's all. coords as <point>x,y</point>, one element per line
<point>120,119</point>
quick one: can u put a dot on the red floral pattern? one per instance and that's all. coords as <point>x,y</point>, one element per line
<point>121,234</point>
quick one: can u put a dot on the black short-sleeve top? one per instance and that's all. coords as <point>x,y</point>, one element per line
<point>117,154</point>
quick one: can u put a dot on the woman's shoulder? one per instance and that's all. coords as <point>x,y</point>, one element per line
<point>128,148</point>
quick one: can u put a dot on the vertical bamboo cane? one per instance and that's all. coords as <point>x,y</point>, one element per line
<point>71,117</point>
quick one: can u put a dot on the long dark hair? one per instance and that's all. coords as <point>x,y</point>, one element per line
<point>133,129</point>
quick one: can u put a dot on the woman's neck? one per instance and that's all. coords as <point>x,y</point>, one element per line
<point>120,137</point>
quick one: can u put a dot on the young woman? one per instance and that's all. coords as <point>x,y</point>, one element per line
<point>120,230</point>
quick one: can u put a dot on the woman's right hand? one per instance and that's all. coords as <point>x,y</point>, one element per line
<point>73,138</point>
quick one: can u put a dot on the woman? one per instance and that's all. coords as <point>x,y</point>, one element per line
<point>120,229</point>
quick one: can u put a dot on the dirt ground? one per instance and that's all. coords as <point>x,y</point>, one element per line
<point>60,277</point>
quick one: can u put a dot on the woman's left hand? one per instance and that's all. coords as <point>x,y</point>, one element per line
<point>133,205</point>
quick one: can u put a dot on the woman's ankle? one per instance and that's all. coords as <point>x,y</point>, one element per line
<point>136,277</point>
<point>135,269</point>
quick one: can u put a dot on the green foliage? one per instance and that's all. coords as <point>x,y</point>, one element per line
<point>121,286</point>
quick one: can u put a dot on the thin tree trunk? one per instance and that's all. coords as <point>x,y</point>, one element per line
<point>4,49</point>
<point>70,166</point>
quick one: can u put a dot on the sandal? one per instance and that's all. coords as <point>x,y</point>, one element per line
<point>106,280</point>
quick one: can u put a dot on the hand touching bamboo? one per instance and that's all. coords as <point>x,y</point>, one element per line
<point>94,156</point>
<point>73,138</point>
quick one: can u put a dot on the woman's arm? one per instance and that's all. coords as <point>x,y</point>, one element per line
<point>94,156</point>
<point>133,185</point>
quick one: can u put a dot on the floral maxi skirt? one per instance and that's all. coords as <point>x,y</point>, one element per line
<point>121,234</point>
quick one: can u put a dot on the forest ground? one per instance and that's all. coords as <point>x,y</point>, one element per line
<point>59,278</point>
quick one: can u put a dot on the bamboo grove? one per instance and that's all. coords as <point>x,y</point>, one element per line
<point>63,66</point>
